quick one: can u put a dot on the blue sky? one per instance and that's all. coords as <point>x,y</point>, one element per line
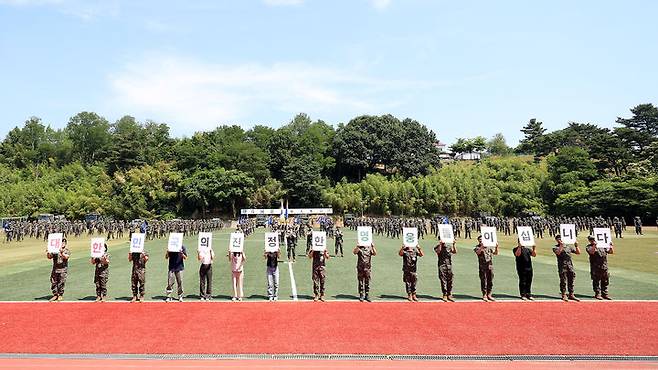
<point>462,68</point>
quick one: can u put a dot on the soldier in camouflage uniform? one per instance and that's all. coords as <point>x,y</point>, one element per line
<point>565,268</point>
<point>409,267</point>
<point>319,273</point>
<point>101,274</point>
<point>59,271</point>
<point>138,277</point>
<point>363,265</point>
<point>486,270</point>
<point>445,268</point>
<point>598,268</point>
<point>338,246</point>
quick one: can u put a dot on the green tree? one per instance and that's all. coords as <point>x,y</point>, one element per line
<point>497,145</point>
<point>90,137</point>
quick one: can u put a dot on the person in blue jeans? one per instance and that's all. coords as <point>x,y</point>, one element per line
<point>272,272</point>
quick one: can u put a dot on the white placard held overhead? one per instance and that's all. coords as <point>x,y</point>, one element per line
<point>364,236</point>
<point>55,242</point>
<point>319,241</point>
<point>526,236</point>
<point>568,233</point>
<point>271,242</point>
<point>489,236</point>
<point>137,243</point>
<point>409,236</point>
<point>603,237</point>
<point>205,242</point>
<point>446,233</point>
<point>175,243</point>
<point>236,243</point>
<point>97,247</point>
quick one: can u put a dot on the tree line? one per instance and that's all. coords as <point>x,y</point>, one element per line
<point>371,164</point>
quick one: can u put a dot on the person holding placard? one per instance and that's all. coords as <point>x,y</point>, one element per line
<point>60,270</point>
<point>175,272</point>
<point>598,268</point>
<point>272,273</point>
<point>410,256</point>
<point>319,272</point>
<point>523,256</point>
<point>565,268</point>
<point>206,258</point>
<point>364,255</point>
<point>338,242</point>
<point>101,273</point>
<point>444,254</point>
<point>138,275</point>
<point>237,260</point>
<point>486,269</point>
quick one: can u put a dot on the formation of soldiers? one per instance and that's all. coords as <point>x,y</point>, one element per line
<point>112,229</point>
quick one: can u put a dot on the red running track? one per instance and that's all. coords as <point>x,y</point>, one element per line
<point>464,328</point>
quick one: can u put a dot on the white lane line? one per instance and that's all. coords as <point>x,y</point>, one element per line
<point>292,282</point>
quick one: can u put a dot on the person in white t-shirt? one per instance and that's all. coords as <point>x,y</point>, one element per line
<point>205,274</point>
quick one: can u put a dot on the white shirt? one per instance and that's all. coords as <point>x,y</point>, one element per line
<point>206,257</point>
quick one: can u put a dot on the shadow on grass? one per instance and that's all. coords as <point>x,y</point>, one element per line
<point>44,298</point>
<point>393,297</point>
<point>87,298</point>
<point>346,296</point>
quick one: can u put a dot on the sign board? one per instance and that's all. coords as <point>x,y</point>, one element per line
<point>55,242</point>
<point>205,242</point>
<point>446,233</point>
<point>271,242</point>
<point>489,236</point>
<point>291,211</point>
<point>97,247</point>
<point>409,236</point>
<point>602,237</point>
<point>236,243</point>
<point>137,243</point>
<point>568,233</point>
<point>319,241</point>
<point>364,236</point>
<point>526,236</point>
<point>175,243</point>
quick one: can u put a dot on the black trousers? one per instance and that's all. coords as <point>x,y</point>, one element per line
<point>525,282</point>
<point>205,281</point>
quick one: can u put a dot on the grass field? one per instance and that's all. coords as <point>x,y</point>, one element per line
<point>25,271</point>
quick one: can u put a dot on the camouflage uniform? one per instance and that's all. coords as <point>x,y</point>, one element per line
<point>598,268</point>
<point>339,243</point>
<point>319,274</point>
<point>485,265</point>
<point>363,266</point>
<point>138,277</point>
<point>101,274</point>
<point>59,272</point>
<point>409,266</point>
<point>445,268</point>
<point>565,268</point>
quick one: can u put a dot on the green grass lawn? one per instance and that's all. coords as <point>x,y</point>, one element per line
<point>25,271</point>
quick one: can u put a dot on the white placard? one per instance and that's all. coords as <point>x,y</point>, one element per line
<point>137,243</point>
<point>97,247</point>
<point>319,241</point>
<point>602,237</point>
<point>446,233</point>
<point>489,236</point>
<point>175,243</point>
<point>55,242</point>
<point>526,236</point>
<point>568,233</point>
<point>205,242</point>
<point>236,243</point>
<point>364,236</point>
<point>410,236</point>
<point>271,242</point>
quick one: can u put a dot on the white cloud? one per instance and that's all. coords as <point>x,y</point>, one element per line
<point>202,95</point>
<point>283,2</point>
<point>380,4</point>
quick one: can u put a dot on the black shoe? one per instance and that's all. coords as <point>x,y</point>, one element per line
<point>367,299</point>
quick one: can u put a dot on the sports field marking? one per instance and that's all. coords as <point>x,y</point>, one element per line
<point>293,284</point>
